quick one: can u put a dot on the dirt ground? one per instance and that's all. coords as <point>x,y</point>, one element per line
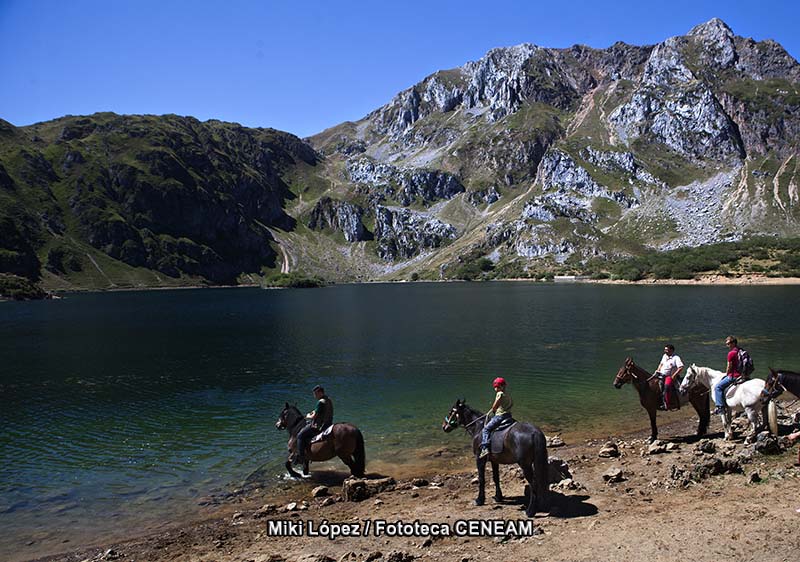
<point>672,503</point>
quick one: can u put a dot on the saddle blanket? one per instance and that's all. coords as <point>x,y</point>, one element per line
<point>322,436</point>
<point>499,435</point>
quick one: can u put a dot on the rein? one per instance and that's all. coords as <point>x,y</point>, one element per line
<point>455,423</point>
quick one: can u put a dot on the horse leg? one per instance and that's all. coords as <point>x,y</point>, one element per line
<point>726,425</point>
<point>348,461</point>
<point>701,406</point>
<point>291,471</point>
<point>498,495</point>
<point>481,499</point>
<point>653,428</point>
<point>752,415</point>
<point>527,471</point>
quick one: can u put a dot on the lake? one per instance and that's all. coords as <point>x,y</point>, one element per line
<point>121,410</point>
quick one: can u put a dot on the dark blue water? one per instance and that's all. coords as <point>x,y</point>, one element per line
<point>122,409</point>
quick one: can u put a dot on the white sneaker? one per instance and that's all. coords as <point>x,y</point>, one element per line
<point>484,452</point>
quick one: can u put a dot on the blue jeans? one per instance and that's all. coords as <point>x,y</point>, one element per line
<point>719,390</point>
<point>489,427</point>
<point>304,436</point>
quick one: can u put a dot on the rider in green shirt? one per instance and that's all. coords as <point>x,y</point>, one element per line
<point>320,419</point>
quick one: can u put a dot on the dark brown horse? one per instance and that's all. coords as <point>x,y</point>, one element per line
<point>345,441</point>
<point>524,445</point>
<point>650,395</point>
<point>778,381</point>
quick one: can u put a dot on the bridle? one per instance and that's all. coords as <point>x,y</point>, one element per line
<point>457,421</point>
<point>774,385</point>
<point>628,372</point>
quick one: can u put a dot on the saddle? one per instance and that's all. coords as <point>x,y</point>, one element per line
<point>322,436</point>
<point>731,390</point>
<point>498,436</point>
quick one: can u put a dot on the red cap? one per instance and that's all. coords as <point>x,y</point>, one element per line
<point>499,381</point>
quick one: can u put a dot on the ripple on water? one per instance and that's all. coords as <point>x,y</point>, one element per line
<point>124,409</point>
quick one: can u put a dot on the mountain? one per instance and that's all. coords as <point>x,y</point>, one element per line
<point>527,160</point>
<point>112,200</point>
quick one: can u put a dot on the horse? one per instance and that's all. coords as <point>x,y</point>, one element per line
<point>524,444</point>
<point>743,396</point>
<point>345,441</point>
<point>650,395</point>
<point>779,380</point>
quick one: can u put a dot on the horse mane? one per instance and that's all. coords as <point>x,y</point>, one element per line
<point>473,411</point>
<point>785,372</point>
<point>639,370</point>
<point>292,408</point>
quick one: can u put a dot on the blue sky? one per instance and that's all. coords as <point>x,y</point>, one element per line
<point>303,66</point>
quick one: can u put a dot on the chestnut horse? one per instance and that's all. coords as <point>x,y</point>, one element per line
<point>650,395</point>
<point>345,441</point>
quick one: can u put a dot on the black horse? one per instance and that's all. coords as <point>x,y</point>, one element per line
<point>779,380</point>
<point>345,441</point>
<point>524,445</point>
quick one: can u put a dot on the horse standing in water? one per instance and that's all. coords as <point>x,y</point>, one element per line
<point>345,441</point>
<point>650,395</point>
<point>742,396</point>
<point>524,445</point>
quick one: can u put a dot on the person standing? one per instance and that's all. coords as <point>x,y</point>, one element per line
<point>320,419</point>
<point>500,410</point>
<point>668,370</point>
<point>732,373</point>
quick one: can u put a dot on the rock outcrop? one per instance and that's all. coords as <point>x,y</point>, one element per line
<point>383,181</point>
<point>402,233</point>
<point>341,216</point>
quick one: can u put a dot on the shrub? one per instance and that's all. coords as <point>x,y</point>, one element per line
<point>294,281</point>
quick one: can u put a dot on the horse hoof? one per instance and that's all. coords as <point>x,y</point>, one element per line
<point>480,501</point>
<point>497,498</point>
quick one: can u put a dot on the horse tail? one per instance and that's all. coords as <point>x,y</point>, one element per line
<point>541,470</point>
<point>359,456</point>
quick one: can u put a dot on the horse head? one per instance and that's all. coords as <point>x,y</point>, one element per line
<point>688,380</point>
<point>287,416</point>
<point>625,373</point>
<point>773,386</point>
<point>454,418</point>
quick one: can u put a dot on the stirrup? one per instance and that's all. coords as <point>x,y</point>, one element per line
<point>484,452</point>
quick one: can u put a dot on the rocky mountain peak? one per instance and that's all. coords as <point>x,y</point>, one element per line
<point>717,43</point>
<point>714,28</point>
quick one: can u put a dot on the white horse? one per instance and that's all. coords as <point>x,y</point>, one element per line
<point>744,396</point>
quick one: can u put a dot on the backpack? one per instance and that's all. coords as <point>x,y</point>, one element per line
<point>746,365</point>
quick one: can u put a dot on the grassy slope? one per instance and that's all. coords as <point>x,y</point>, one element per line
<point>109,140</point>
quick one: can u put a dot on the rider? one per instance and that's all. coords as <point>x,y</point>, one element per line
<point>732,374</point>
<point>319,420</point>
<point>501,410</point>
<point>668,370</point>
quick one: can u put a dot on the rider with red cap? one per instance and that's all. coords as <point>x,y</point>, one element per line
<point>500,410</point>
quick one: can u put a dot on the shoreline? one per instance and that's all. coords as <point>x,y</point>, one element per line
<point>705,280</point>
<point>237,530</point>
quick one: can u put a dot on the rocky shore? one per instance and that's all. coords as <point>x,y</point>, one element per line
<point>613,498</point>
